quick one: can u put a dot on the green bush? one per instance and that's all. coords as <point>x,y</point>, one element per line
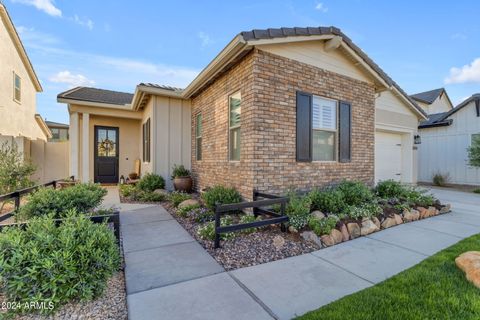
<point>207,231</point>
<point>127,190</point>
<point>149,196</point>
<point>477,190</point>
<point>220,195</point>
<point>151,182</point>
<point>440,179</point>
<point>355,192</point>
<point>57,264</point>
<point>323,226</point>
<point>82,198</point>
<point>298,210</point>
<point>329,200</point>
<point>183,212</point>
<point>247,218</point>
<point>15,172</point>
<point>177,197</point>
<point>179,171</point>
<point>366,210</point>
<point>390,189</point>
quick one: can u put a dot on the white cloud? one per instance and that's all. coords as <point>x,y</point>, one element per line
<point>87,23</point>
<point>205,38</point>
<point>31,35</point>
<point>467,73</point>
<point>72,80</point>
<point>321,7</point>
<point>46,6</point>
<point>459,36</point>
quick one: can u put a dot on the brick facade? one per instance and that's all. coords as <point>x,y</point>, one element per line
<point>268,85</point>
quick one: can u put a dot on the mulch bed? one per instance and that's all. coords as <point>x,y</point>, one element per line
<point>248,249</point>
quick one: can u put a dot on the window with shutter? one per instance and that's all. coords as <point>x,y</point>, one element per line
<point>324,129</point>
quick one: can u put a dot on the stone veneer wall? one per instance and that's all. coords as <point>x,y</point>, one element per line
<point>268,84</point>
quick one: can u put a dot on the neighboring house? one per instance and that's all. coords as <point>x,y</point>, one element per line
<point>59,131</point>
<point>433,101</point>
<point>445,139</point>
<point>277,108</point>
<point>20,123</point>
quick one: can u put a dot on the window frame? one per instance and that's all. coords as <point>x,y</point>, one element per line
<point>198,137</point>
<point>336,142</point>
<point>230,128</point>
<point>15,76</point>
<point>146,145</point>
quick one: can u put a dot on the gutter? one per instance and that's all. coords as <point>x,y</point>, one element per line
<point>445,123</point>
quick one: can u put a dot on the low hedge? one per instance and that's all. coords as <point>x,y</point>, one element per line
<point>220,195</point>
<point>49,264</point>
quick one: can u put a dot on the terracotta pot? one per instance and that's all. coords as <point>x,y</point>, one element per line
<point>183,184</point>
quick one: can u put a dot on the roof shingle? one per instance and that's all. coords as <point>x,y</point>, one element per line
<point>428,96</point>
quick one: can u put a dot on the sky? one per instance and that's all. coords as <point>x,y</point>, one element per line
<point>115,45</point>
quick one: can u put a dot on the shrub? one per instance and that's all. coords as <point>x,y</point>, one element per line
<point>179,171</point>
<point>177,197</point>
<point>201,215</point>
<point>149,196</point>
<point>127,190</point>
<point>298,210</point>
<point>207,231</point>
<point>440,179</point>
<point>15,172</point>
<point>323,226</point>
<point>329,200</point>
<point>366,210</point>
<point>151,182</point>
<point>415,197</point>
<point>390,189</point>
<point>355,192</point>
<point>56,264</point>
<point>220,195</point>
<point>82,198</point>
<point>477,190</point>
<point>183,212</point>
<point>247,218</point>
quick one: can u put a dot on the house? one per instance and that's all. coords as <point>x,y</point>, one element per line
<point>433,101</point>
<point>59,131</point>
<point>276,108</point>
<point>445,139</point>
<point>21,124</point>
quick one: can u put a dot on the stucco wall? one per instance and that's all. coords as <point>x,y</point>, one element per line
<point>18,118</point>
<point>51,160</point>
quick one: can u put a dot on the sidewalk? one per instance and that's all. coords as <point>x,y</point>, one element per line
<point>170,276</point>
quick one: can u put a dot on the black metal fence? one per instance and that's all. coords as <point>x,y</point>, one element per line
<point>260,207</point>
<point>17,195</point>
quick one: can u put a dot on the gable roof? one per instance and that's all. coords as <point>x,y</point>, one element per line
<point>428,96</point>
<point>19,46</point>
<point>246,40</point>
<point>52,124</point>
<point>88,94</point>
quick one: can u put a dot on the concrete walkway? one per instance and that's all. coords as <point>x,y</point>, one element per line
<point>170,276</point>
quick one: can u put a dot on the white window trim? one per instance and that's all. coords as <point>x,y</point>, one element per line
<point>198,136</point>
<point>15,75</point>
<point>234,127</point>
<point>335,153</point>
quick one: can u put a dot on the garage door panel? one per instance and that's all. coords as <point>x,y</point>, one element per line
<point>388,156</point>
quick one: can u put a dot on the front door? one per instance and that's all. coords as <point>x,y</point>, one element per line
<point>106,154</point>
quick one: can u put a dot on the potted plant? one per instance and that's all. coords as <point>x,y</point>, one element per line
<point>182,181</point>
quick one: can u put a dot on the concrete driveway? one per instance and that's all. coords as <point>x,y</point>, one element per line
<point>170,276</point>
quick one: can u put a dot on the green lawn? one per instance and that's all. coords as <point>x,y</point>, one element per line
<point>433,289</point>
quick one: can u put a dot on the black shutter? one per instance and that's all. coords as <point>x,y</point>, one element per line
<point>345,132</point>
<point>304,127</point>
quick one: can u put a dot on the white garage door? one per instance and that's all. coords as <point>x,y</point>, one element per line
<point>388,156</point>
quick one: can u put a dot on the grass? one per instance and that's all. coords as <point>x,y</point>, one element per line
<point>433,289</point>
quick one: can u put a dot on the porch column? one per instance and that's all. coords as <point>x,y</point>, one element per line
<point>85,149</point>
<point>74,135</point>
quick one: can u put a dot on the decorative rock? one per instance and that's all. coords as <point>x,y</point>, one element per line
<point>353,230</point>
<point>410,215</point>
<point>469,262</point>
<point>388,222</point>
<point>345,234</point>
<point>318,214</point>
<point>446,208</point>
<point>423,212</point>
<point>292,229</point>
<point>377,222</point>
<point>336,236</point>
<point>416,214</point>
<point>368,227</point>
<point>311,236</point>
<point>188,202</point>
<point>398,219</point>
<point>279,242</point>
<point>327,240</point>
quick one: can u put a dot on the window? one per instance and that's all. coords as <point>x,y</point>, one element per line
<point>17,86</point>
<point>198,137</point>
<point>55,133</point>
<point>235,111</point>
<point>324,129</point>
<point>146,141</point>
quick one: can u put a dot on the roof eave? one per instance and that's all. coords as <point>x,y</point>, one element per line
<point>413,106</point>
<point>436,124</point>
<point>141,90</point>
<point>46,130</point>
<point>93,103</point>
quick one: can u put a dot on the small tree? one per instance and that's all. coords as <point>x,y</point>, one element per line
<point>474,153</point>
<point>15,172</point>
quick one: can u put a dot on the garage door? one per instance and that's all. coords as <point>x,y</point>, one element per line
<point>388,156</point>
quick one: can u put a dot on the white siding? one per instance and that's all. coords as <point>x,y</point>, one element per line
<point>444,149</point>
